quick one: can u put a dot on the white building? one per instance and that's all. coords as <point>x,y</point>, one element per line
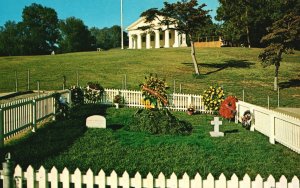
<point>157,37</point>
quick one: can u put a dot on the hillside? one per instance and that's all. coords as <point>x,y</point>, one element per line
<point>233,68</point>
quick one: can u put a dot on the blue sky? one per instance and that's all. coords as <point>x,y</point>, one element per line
<point>98,13</point>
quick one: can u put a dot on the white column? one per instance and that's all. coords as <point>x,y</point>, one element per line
<point>179,40</point>
<point>167,39</point>
<point>130,41</point>
<point>134,42</point>
<point>176,39</point>
<point>139,41</point>
<point>148,41</point>
<point>183,40</point>
<point>157,39</point>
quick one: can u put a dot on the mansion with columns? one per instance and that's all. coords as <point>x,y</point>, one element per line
<point>157,37</point>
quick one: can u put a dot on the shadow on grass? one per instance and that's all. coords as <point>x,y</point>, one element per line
<point>231,131</point>
<point>290,83</point>
<point>52,138</point>
<point>224,65</point>
<point>115,127</point>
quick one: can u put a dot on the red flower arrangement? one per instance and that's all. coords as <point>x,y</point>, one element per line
<point>228,107</point>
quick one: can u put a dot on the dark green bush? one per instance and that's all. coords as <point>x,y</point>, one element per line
<point>158,121</point>
<point>77,95</point>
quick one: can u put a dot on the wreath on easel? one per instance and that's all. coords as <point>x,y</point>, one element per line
<point>228,107</point>
<point>155,91</point>
<point>246,119</point>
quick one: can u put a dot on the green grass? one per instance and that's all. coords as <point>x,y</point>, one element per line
<point>69,144</point>
<point>233,68</point>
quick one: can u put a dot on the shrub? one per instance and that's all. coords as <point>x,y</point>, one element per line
<point>118,99</point>
<point>213,97</point>
<point>61,106</point>
<point>77,95</point>
<point>93,92</point>
<point>159,121</point>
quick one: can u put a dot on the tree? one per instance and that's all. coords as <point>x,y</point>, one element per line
<point>40,28</point>
<point>108,38</point>
<point>283,37</point>
<point>245,21</point>
<point>10,39</point>
<point>75,36</point>
<point>237,17</point>
<point>187,17</point>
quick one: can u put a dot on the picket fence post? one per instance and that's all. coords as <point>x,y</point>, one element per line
<point>189,100</point>
<point>53,178</point>
<point>272,129</point>
<point>1,127</point>
<point>236,120</point>
<point>69,97</point>
<point>8,172</point>
<point>33,112</point>
<point>54,108</point>
<point>252,128</point>
<point>19,175</point>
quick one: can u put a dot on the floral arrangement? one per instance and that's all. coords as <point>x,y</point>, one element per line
<point>118,99</point>
<point>190,110</point>
<point>228,107</point>
<point>147,104</point>
<point>93,91</point>
<point>213,97</point>
<point>77,95</point>
<point>247,119</point>
<point>155,90</point>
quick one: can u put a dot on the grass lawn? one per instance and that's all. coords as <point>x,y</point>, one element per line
<point>68,143</point>
<point>233,68</point>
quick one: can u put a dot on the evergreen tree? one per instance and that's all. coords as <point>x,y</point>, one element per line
<point>283,37</point>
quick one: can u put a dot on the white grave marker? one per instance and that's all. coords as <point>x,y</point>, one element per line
<point>216,132</point>
<point>96,121</point>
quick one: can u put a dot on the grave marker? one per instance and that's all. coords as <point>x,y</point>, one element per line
<point>216,132</point>
<point>96,121</point>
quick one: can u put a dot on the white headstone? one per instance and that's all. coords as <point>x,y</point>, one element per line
<point>96,121</point>
<point>216,132</point>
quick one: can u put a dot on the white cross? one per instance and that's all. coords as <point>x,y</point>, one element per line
<point>216,124</point>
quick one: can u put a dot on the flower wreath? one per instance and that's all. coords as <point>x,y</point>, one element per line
<point>246,119</point>
<point>228,107</point>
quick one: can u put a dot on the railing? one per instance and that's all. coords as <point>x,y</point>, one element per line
<point>42,179</point>
<point>177,101</point>
<point>24,114</point>
<point>277,126</point>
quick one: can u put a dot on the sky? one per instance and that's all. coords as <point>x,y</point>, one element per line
<point>94,13</point>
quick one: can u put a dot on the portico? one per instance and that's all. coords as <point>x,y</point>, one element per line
<point>156,37</point>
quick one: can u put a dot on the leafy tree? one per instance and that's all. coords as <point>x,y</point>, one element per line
<point>187,16</point>
<point>245,21</point>
<point>40,29</point>
<point>108,38</point>
<point>237,15</point>
<point>283,37</point>
<point>210,30</point>
<point>102,37</point>
<point>10,39</point>
<point>75,36</point>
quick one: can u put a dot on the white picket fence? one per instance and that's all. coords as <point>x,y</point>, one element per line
<point>24,114</point>
<point>42,179</point>
<point>277,126</point>
<point>177,101</point>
